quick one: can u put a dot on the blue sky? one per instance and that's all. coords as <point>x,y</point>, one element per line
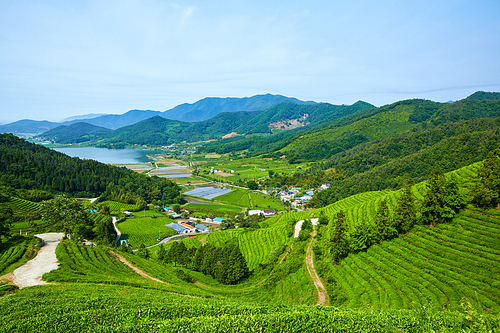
<point>63,58</point>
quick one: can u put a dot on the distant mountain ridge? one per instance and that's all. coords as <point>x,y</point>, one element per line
<point>28,126</point>
<point>160,131</point>
<point>211,106</point>
<point>84,116</point>
<point>203,109</point>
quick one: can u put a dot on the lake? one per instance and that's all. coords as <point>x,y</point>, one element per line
<point>109,156</point>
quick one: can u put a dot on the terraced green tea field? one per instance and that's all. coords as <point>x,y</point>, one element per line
<point>440,266</point>
<point>92,307</point>
<point>18,204</point>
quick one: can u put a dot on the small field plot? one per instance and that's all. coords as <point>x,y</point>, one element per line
<point>237,197</point>
<point>208,192</point>
<point>176,171</point>
<point>118,207</point>
<point>250,199</point>
<point>145,230</point>
<point>261,200</point>
<point>137,167</point>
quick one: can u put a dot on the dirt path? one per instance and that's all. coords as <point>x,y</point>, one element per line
<point>286,253</point>
<point>137,270</point>
<point>118,233</point>
<point>30,274</point>
<point>322,294</point>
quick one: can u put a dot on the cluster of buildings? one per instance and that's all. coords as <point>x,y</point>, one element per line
<point>297,197</point>
<point>265,212</point>
<point>182,150</point>
<point>174,215</point>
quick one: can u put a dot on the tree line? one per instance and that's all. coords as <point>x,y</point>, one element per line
<point>226,264</point>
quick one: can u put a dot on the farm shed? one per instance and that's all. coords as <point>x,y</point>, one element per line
<point>177,227</point>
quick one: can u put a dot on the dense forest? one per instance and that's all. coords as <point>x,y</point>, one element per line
<point>30,169</point>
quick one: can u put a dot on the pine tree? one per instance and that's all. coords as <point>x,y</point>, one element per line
<point>161,253</point>
<point>442,201</point>
<point>198,259</point>
<point>340,245</point>
<point>237,266</point>
<point>173,253</point>
<point>405,214</point>
<point>322,220</point>
<point>209,260</point>
<point>384,229</point>
<point>143,252</point>
<point>487,191</point>
<point>222,263</point>
<point>6,214</point>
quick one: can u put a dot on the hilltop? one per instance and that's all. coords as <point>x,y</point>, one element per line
<point>75,133</point>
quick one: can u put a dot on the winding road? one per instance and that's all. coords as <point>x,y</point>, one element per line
<point>30,274</point>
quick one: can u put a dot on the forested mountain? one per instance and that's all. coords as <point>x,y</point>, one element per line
<point>328,136</point>
<point>386,164</point>
<point>28,126</point>
<point>75,133</point>
<point>315,143</point>
<point>155,131</point>
<point>114,121</point>
<point>26,166</point>
<point>159,131</point>
<point>211,106</point>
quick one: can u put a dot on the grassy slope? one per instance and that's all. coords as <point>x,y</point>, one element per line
<point>379,126</point>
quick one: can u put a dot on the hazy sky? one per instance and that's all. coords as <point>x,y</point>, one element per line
<point>62,58</point>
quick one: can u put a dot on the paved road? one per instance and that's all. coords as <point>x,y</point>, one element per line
<point>30,274</point>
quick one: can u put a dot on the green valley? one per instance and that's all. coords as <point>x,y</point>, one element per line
<point>350,219</point>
